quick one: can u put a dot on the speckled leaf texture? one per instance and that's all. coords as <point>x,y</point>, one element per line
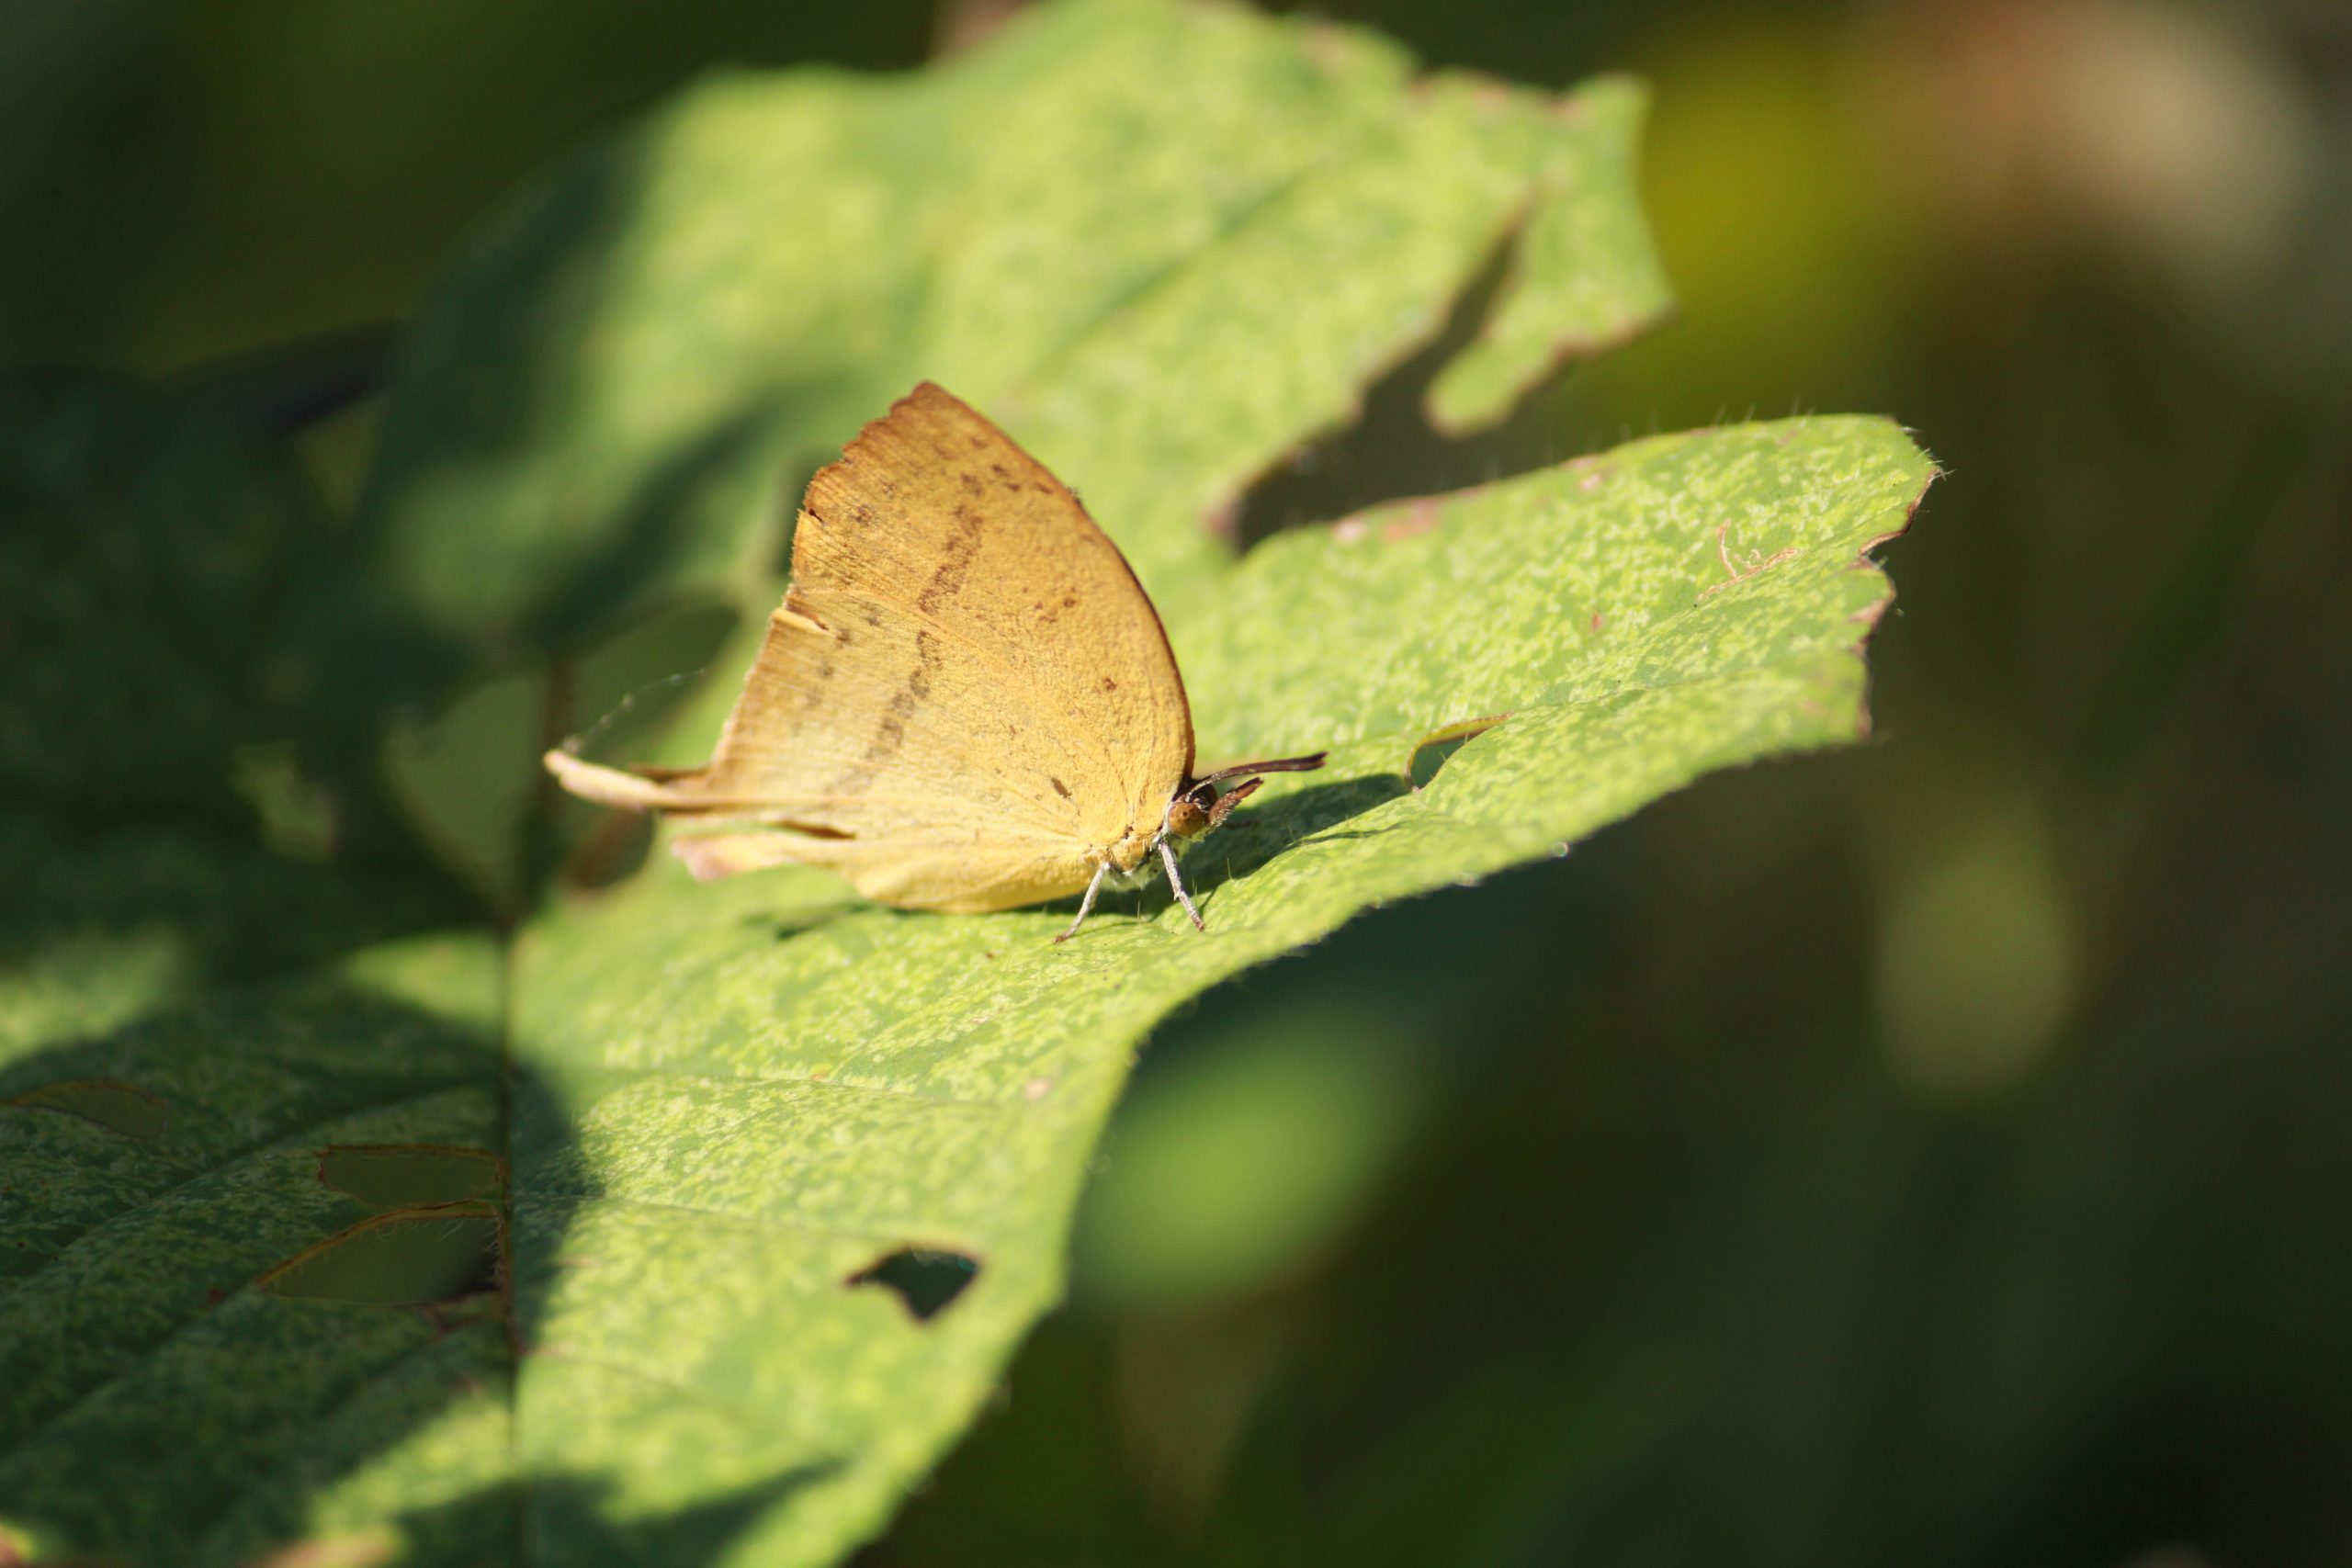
<point>333,1218</point>
<point>769,1086</point>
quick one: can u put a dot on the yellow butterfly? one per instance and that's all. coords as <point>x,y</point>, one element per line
<point>966,701</point>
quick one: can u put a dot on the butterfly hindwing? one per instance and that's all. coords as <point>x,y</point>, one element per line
<point>965,698</point>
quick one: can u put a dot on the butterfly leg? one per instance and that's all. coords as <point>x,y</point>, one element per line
<point>1086,904</point>
<point>1167,858</point>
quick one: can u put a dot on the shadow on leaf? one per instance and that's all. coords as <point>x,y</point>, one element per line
<point>1247,843</point>
<point>146,1309</point>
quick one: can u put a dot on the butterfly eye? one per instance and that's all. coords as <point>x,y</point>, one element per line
<point>1186,819</point>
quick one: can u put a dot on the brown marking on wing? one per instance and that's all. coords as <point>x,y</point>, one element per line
<point>955,561</point>
<point>915,699</point>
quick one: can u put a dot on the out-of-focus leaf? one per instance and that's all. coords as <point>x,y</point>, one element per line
<point>468,775</point>
<point>1166,242</point>
<point>100,927</point>
<point>147,554</point>
<point>1249,1166</point>
<point>768,1087</point>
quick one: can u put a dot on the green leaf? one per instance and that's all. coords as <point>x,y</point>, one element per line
<point>177,1050</point>
<point>774,1180</point>
<point>148,553</point>
<point>1168,242</point>
<point>768,1088</point>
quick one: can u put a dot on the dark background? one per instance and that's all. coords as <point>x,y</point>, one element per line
<point>1931,1153</point>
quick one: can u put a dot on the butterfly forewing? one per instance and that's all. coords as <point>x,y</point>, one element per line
<point>966,699</point>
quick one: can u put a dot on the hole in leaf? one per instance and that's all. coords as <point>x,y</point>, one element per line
<point>409,1257</point>
<point>925,1280</point>
<point>116,1106</point>
<point>409,1175</point>
<point>1433,751</point>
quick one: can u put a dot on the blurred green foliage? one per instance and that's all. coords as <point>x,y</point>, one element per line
<point>1931,1153</point>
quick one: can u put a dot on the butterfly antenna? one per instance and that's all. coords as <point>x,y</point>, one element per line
<point>620,710</point>
<point>1305,765</point>
<point>1229,799</point>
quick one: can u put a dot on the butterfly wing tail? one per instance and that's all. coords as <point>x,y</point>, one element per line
<point>920,873</point>
<point>653,790</point>
<point>731,854</point>
<point>708,857</point>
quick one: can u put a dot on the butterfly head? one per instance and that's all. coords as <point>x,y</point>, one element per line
<point>1188,817</point>
<point>1196,810</point>
<point>1200,806</point>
